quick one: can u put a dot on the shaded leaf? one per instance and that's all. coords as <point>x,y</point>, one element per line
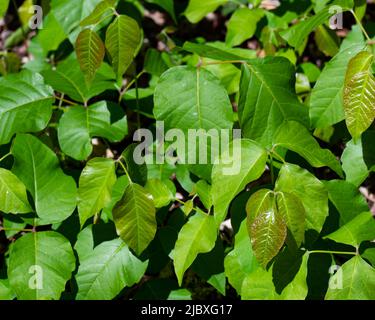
<point>134,217</point>
<point>95,187</point>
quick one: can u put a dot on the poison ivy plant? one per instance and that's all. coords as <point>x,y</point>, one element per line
<point>194,149</point>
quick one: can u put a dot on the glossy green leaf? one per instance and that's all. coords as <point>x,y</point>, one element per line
<point>191,98</point>
<point>347,199</point>
<point>295,137</point>
<point>90,53</point>
<point>5,291</point>
<point>134,216</point>
<point>326,103</point>
<point>242,25</point>
<point>68,78</point>
<point>161,195</point>
<point>95,187</point>
<point>359,94</point>
<point>243,163</point>
<point>40,264</point>
<point>219,51</point>
<point>104,8</point>
<point>38,168</point>
<point>13,197</point>
<point>198,235</point>
<point>79,124</point>
<point>70,13</point>
<point>296,35</point>
<point>266,226</point>
<point>197,9</point>
<point>354,281</point>
<point>267,98</point>
<point>357,230</point>
<point>204,193</point>
<point>4,7</point>
<point>326,41</point>
<point>353,164</point>
<point>123,39</point>
<point>108,269</point>
<point>293,212</point>
<point>241,260</point>
<point>25,104</point>
<point>258,285</point>
<point>312,193</point>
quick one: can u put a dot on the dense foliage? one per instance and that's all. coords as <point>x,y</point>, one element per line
<point>81,218</point>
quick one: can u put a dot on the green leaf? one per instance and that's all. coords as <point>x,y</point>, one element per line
<point>266,226</point>
<point>204,193</point>
<point>295,137</point>
<point>5,291</point>
<point>107,270</point>
<point>267,98</point>
<point>90,53</point>
<point>347,199</point>
<point>68,78</point>
<point>198,235</point>
<point>123,40</point>
<point>69,13</point>
<point>296,35</point>
<point>13,197</point>
<point>293,212</point>
<point>4,7</point>
<point>326,103</point>
<point>243,163</point>
<point>353,164</point>
<point>38,168</point>
<point>117,192</point>
<point>241,260</point>
<point>357,230</point>
<point>242,25</point>
<point>312,193</point>
<point>357,279</point>
<point>180,294</point>
<point>161,194</point>
<point>297,289</point>
<point>191,98</point>
<point>219,51</point>
<point>327,41</point>
<point>134,216</point>
<point>79,124</point>
<point>95,187</point>
<point>25,104</point>
<point>40,264</point>
<point>197,9</point>
<point>258,285</point>
<point>359,94</point>
<point>105,6</point>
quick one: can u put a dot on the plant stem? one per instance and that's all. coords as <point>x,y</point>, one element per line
<point>66,101</point>
<point>333,252</point>
<point>271,169</point>
<point>124,168</point>
<point>4,157</point>
<point>361,25</point>
<point>13,229</point>
<point>130,84</point>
